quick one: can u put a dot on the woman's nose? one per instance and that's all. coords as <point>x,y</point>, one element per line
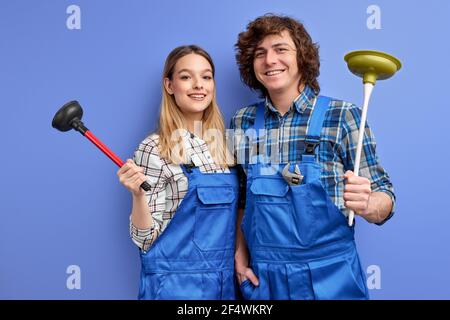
<point>198,84</point>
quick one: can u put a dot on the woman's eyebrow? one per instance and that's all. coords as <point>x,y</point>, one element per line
<point>190,71</point>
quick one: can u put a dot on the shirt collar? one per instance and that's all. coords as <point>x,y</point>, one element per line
<point>301,102</point>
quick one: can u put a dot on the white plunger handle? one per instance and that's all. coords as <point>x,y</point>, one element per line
<point>368,87</point>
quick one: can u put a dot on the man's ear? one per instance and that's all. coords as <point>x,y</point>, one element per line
<point>168,85</point>
<point>301,85</point>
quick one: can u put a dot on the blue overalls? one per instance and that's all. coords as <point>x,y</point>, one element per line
<point>194,257</point>
<point>300,244</point>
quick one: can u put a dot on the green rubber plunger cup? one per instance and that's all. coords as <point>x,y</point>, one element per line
<point>370,66</point>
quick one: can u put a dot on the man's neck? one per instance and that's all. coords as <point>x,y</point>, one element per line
<point>282,101</point>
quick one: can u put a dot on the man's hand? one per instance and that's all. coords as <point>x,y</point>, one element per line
<point>243,272</point>
<point>357,193</point>
<point>372,206</point>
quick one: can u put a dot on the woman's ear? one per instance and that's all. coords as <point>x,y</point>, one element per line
<point>168,85</point>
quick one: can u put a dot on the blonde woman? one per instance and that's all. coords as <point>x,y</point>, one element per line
<point>185,225</point>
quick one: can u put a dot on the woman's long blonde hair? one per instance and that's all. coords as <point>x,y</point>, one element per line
<point>171,120</point>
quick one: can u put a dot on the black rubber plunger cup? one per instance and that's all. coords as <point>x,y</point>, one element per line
<point>69,117</point>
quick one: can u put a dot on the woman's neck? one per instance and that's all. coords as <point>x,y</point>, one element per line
<point>194,123</point>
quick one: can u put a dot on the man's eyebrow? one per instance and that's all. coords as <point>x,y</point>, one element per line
<point>279,44</point>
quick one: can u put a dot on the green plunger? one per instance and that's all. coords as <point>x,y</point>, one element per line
<point>371,66</point>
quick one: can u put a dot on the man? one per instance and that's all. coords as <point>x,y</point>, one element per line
<point>297,186</point>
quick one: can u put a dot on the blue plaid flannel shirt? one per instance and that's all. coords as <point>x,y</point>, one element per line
<point>337,148</point>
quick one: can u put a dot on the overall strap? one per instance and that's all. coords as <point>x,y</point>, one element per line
<point>312,138</point>
<point>259,118</point>
<point>259,122</point>
<point>188,169</point>
<point>259,128</point>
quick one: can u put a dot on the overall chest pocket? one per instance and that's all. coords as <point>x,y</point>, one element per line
<point>215,218</point>
<point>272,218</point>
<point>318,220</point>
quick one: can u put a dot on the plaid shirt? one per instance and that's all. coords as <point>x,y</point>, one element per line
<point>168,183</point>
<point>337,148</point>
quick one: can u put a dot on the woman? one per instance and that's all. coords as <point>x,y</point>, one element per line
<point>185,225</point>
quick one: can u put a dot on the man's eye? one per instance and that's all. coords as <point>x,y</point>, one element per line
<point>259,54</point>
<point>281,49</point>
<point>207,77</point>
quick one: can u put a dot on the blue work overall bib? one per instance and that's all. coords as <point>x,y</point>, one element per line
<point>300,244</point>
<point>194,257</point>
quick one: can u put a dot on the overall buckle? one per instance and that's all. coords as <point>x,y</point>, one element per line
<point>310,148</point>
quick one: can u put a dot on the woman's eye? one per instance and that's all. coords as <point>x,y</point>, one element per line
<point>207,77</point>
<point>184,77</point>
<point>281,49</point>
<point>259,54</point>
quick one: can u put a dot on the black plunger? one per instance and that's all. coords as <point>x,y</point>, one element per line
<point>69,117</point>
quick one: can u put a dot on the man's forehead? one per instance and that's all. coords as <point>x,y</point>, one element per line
<point>284,37</point>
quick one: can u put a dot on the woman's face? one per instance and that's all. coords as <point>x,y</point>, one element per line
<point>192,85</point>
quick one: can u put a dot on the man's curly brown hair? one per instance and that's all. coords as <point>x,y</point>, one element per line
<point>269,24</point>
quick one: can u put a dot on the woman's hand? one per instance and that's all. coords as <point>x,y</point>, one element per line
<point>132,176</point>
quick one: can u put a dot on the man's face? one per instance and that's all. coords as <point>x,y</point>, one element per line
<point>275,64</point>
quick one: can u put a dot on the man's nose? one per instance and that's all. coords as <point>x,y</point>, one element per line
<point>270,57</point>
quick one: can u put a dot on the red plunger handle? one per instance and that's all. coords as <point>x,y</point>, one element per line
<point>88,134</point>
